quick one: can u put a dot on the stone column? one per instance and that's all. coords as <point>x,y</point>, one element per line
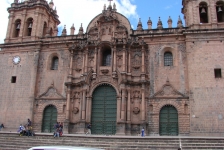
<point>88,109</point>
<point>143,103</point>
<point>115,59</point>
<point>129,105</point>
<point>118,109</point>
<point>83,63</point>
<point>86,60</point>
<point>129,60</point>
<point>95,59</point>
<point>84,105</point>
<point>124,59</point>
<point>68,103</point>
<point>11,26</point>
<point>71,64</point>
<point>99,60</point>
<point>123,105</point>
<point>143,59</point>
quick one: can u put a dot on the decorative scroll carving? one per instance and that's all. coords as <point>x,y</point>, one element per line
<point>168,91</point>
<point>136,101</point>
<point>51,93</point>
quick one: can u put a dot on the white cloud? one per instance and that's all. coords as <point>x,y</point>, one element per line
<point>74,11</point>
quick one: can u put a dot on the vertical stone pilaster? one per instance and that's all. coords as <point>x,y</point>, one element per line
<point>123,105</point>
<point>95,57</point>
<point>86,60</point>
<point>124,59</point>
<point>11,26</point>
<point>118,109</point>
<point>129,105</point>
<point>115,59</point>
<point>143,103</point>
<point>71,63</point>
<point>143,59</point>
<point>129,61</point>
<point>84,105</point>
<point>88,109</point>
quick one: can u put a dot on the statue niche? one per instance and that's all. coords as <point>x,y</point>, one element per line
<point>136,101</point>
<point>106,33</point>
<point>76,102</point>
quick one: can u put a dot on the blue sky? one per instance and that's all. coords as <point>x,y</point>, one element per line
<point>83,11</point>
<point>155,9</point>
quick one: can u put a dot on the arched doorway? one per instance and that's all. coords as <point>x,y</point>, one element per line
<point>49,119</point>
<point>104,110</point>
<point>168,121</point>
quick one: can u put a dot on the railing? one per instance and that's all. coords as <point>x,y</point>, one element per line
<point>159,31</point>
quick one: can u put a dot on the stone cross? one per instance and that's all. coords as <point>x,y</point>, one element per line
<point>110,1</point>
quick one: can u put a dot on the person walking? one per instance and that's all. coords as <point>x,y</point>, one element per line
<point>1,126</point>
<point>143,132</point>
<point>89,129</point>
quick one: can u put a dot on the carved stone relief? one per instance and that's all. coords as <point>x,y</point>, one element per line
<point>136,101</point>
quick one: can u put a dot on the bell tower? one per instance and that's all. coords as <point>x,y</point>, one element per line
<point>203,14</point>
<point>30,20</point>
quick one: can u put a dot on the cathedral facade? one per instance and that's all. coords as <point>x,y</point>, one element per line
<point>167,80</point>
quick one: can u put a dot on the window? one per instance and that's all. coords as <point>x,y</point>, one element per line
<point>13,79</point>
<point>203,12</point>
<point>29,26</point>
<point>17,28</point>
<point>218,73</point>
<point>54,64</point>
<point>168,59</point>
<point>107,57</point>
<point>219,11</point>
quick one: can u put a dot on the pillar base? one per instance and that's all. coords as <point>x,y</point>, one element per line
<point>120,129</point>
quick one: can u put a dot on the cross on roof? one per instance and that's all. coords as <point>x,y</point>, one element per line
<point>110,1</point>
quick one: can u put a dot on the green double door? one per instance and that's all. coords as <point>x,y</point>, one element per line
<point>104,110</point>
<point>168,121</point>
<point>49,119</point>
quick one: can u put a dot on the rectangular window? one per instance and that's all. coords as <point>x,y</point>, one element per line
<point>218,73</point>
<point>13,79</point>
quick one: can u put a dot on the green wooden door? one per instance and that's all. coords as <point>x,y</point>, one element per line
<point>49,119</point>
<point>104,110</point>
<point>168,121</point>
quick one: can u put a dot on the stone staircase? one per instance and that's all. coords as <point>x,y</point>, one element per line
<point>11,141</point>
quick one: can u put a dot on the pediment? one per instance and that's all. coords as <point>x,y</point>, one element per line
<point>51,93</point>
<point>168,91</point>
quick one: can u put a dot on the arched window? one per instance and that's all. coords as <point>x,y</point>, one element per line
<point>54,63</point>
<point>203,12</point>
<point>106,57</point>
<point>220,11</point>
<point>44,29</point>
<point>29,26</point>
<point>168,59</point>
<point>17,28</point>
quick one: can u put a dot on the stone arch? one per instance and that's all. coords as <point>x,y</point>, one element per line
<point>170,102</point>
<point>201,1</point>
<point>16,28</point>
<point>43,106</point>
<point>28,26</point>
<point>102,83</point>
<point>170,49</point>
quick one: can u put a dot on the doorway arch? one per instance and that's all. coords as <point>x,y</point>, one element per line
<point>168,121</point>
<point>104,110</point>
<point>49,119</point>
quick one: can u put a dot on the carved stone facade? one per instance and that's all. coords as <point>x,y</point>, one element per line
<point>150,70</point>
